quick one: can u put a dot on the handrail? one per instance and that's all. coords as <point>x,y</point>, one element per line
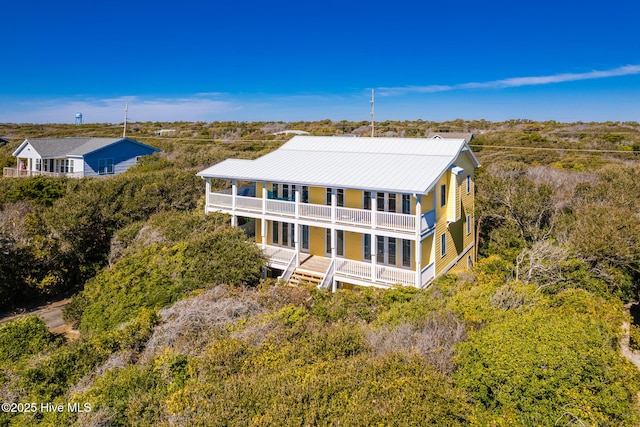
<point>328,277</point>
<point>293,263</point>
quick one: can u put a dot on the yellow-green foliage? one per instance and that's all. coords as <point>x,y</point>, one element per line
<point>558,359</point>
<point>634,337</point>
<point>22,338</point>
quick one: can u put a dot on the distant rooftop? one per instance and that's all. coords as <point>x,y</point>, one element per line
<point>61,147</point>
<point>467,136</point>
<point>291,132</point>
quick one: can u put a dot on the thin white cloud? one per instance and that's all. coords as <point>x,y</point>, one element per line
<point>111,110</point>
<point>513,82</point>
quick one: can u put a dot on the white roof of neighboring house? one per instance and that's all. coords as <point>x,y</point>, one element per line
<point>404,165</point>
<point>63,147</point>
<point>467,136</point>
<point>291,131</point>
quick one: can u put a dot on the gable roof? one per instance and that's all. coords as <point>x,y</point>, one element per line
<point>62,147</point>
<point>404,165</point>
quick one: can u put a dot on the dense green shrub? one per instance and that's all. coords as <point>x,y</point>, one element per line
<point>540,365</point>
<point>22,338</point>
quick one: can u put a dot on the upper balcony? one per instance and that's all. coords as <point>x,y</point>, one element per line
<point>322,214</point>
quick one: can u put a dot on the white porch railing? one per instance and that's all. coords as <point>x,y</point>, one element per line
<point>353,216</point>
<point>307,211</point>
<point>395,221</point>
<point>327,281</point>
<point>293,263</point>
<point>22,173</point>
<point>320,212</point>
<point>384,274</point>
<point>220,200</point>
<point>281,207</point>
<point>428,273</point>
<point>392,275</point>
<point>249,203</point>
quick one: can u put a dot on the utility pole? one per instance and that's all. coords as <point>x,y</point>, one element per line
<point>373,104</point>
<point>126,110</point>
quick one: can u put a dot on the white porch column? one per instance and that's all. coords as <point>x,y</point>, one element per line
<point>263,221</point>
<point>418,241</point>
<point>333,222</point>
<point>374,237</point>
<point>296,225</point>
<point>207,193</point>
<point>234,194</point>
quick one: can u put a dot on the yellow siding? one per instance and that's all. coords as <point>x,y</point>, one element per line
<point>441,212</point>
<point>258,231</point>
<point>353,199</point>
<point>460,204</point>
<point>316,241</point>
<point>353,245</point>
<point>427,202</point>
<point>317,195</point>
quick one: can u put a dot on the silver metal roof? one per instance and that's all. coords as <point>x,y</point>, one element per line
<point>403,165</point>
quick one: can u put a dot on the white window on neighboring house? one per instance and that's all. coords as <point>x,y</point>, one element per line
<point>443,245</point>
<point>468,184</point>
<point>468,224</point>
<point>443,195</point>
<point>105,166</point>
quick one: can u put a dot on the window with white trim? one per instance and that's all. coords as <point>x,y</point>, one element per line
<point>366,245</point>
<point>443,245</point>
<point>468,224</point>
<point>366,200</point>
<point>406,204</point>
<point>468,184</point>
<point>340,197</point>
<point>443,195</point>
<point>105,166</point>
<point>406,253</point>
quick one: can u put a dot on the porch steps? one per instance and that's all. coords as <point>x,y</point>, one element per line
<point>312,270</point>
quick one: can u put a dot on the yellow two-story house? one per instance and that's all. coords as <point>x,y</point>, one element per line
<point>346,211</point>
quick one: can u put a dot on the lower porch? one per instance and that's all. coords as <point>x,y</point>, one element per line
<point>342,270</point>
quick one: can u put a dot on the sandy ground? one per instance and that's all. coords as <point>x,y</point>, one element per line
<point>51,314</point>
<point>632,356</point>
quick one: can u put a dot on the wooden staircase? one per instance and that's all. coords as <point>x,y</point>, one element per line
<point>311,270</point>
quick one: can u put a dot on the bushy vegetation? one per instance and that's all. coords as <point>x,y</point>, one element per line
<point>176,327</point>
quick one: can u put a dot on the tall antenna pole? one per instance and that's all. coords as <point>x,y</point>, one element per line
<point>126,110</point>
<point>373,104</point>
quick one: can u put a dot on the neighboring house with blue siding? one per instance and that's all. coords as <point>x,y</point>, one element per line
<point>77,157</point>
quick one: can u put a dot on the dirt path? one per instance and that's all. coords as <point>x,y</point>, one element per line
<point>51,314</point>
<point>632,356</point>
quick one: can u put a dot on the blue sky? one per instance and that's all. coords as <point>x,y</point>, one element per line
<point>197,60</point>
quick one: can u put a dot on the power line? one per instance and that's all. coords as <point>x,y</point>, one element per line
<point>584,150</point>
